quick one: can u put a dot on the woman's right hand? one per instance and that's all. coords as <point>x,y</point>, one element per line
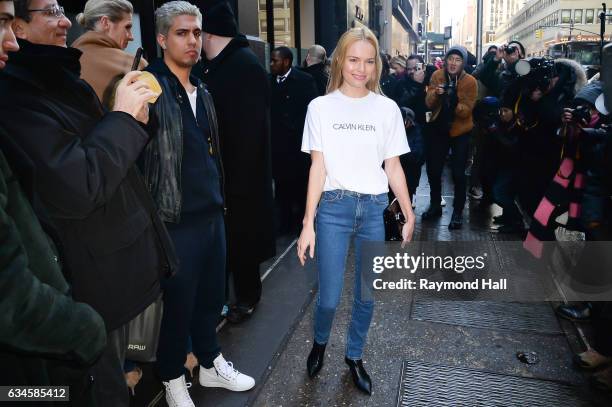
<point>305,241</point>
<point>132,97</point>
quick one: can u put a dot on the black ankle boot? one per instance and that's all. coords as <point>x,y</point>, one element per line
<point>360,376</point>
<point>315,359</point>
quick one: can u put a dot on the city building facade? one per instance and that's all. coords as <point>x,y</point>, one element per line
<point>541,24</point>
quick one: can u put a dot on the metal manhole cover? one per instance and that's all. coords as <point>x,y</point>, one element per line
<point>429,385</point>
<point>514,316</point>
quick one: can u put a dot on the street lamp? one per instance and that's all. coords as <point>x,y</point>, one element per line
<point>426,16</point>
<point>569,38</point>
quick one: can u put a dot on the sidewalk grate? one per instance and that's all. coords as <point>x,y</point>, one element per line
<point>430,385</point>
<point>533,317</point>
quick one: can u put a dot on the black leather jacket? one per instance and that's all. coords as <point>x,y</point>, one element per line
<point>162,157</point>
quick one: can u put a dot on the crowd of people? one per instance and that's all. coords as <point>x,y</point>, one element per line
<point>534,137</point>
<point>114,194</point>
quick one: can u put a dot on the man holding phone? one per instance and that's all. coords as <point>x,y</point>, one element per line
<point>114,253</point>
<point>32,287</point>
<point>413,88</point>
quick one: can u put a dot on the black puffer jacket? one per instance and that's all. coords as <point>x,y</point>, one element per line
<point>115,246</point>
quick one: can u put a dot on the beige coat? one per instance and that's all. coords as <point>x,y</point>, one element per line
<point>102,61</point>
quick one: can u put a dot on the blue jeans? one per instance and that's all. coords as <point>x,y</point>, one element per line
<point>342,216</point>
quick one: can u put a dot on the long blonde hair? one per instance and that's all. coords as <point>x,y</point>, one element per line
<point>349,38</point>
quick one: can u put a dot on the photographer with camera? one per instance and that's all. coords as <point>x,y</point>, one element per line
<point>534,107</point>
<point>497,71</point>
<point>451,97</point>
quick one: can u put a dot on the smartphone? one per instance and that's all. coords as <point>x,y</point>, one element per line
<point>137,59</point>
<point>419,66</point>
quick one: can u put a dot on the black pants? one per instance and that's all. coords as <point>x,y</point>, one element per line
<point>437,149</point>
<point>504,193</point>
<point>247,280</point>
<point>109,386</point>
<point>290,196</point>
<point>412,173</point>
<point>193,298</point>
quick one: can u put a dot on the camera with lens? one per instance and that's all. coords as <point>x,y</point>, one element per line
<point>449,87</point>
<point>581,114</point>
<point>510,49</point>
<point>535,73</point>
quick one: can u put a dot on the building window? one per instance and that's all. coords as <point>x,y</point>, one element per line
<point>589,16</point>
<point>280,24</point>
<point>578,16</point>
<point>566,16</point>
<point>283,22</point>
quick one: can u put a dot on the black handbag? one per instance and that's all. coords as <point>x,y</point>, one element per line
<point>144,333</point>
<point>394,222</point>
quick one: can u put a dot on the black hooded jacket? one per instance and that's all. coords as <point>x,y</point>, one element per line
<point>240,89</point>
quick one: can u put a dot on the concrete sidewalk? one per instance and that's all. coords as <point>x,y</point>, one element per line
<point>422,353</point>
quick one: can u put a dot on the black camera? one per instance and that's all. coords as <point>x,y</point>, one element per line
<point>536,73</point>
<point>582,114</point>
<point>449,87</point>
<point>510,49</point>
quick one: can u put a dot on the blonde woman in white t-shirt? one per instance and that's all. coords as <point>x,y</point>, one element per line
<point>349,133</point>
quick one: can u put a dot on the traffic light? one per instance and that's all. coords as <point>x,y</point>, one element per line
<point>420,29</point>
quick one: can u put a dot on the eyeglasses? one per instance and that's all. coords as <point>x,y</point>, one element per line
<point>54,11</point>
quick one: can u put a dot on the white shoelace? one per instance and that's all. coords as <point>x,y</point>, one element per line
<point>227,371</point>
<point>183,395</point>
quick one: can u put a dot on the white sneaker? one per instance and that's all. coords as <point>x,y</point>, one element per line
<point>177,394</point>
<point>223,374</point>
<point>442,202</point>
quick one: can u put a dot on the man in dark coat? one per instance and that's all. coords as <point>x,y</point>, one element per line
<point>315,65</point>
<point>241,93</point>
<point>292,91</point>
<point>37,315</point>
<point>115,247</point>
<point>413,88</point>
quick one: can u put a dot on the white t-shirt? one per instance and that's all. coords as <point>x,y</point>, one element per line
<point>355,136</point>
<point>193,100</point>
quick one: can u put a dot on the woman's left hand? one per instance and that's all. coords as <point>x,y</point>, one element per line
<point>408,230</point>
